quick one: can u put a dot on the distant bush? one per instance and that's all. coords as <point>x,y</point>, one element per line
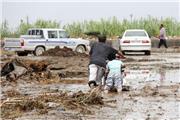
<point>111,27</point>
<point>24,26</point>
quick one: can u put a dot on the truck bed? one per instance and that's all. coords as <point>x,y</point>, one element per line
<point>12,43</point>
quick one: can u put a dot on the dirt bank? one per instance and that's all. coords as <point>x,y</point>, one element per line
<point>63,52</point>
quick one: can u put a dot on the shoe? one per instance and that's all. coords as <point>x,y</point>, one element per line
<point>92,84</point>
<point>125,88</point>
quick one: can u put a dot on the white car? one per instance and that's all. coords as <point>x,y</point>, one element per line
<point>135,40</point>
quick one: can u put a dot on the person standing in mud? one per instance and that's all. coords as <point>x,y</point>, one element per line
<point>99,53</point>
<point>162,36</point>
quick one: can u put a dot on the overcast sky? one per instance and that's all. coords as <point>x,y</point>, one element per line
<point>69,11</point>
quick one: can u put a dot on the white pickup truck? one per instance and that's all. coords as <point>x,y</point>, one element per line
<point>39,40</point>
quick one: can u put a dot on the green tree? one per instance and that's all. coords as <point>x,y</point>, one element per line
<point>4,29</point>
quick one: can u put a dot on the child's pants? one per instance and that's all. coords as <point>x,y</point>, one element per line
<point>113,80</point>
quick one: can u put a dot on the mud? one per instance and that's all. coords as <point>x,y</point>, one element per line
<point>56,88</point>
<point>79,101</point>
<point>46,69</point>
<point>64,52</point>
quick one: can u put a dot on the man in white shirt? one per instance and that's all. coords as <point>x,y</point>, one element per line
<point>162,37</point>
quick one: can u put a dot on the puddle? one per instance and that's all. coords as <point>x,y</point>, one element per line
<point>137,78</point>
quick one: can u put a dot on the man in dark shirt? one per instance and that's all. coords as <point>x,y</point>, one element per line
<point>99,53</point>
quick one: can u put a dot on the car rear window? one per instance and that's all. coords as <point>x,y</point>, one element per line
<point>35,32</point>
<point>135,33</point>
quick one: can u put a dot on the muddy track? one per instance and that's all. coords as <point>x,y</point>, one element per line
<point>51,89</point>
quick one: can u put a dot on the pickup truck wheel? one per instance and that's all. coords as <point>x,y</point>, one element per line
<point>22,53</point>
<point>38,51</point>
<point>80,49</point>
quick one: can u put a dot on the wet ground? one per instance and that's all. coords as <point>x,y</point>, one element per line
<point>154,89</point>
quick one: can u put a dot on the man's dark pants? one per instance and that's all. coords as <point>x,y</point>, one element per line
<point>162,42</point>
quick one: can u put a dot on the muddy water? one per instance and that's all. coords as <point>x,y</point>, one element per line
<point>157,70</point>
<point>144,74</point>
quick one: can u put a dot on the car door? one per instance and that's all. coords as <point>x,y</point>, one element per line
<point>52,40</point>
<point>36,39</point>
<point>65,40</point>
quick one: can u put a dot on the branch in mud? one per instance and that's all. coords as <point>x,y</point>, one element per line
<point>77,101</point>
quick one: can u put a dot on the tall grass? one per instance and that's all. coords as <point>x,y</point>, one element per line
<point>114,27</point>
<point>111,27</point>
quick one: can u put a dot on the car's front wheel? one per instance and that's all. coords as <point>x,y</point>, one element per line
<point>147,52</point>
<point>80,49</point>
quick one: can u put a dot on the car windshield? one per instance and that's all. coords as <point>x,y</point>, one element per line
<point>135,33</point>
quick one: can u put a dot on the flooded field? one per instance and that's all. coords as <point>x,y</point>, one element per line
<point>64,94</point>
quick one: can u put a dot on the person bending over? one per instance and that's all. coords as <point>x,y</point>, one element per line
<point>99,53</point>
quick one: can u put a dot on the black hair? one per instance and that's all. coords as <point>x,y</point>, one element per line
<point>112,57</point>
<point>102,38</point>
<point>161,26</point>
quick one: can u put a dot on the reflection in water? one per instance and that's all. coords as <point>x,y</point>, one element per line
<point>162,74</point>
<point>137,74</point>
<point>169,75</point>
